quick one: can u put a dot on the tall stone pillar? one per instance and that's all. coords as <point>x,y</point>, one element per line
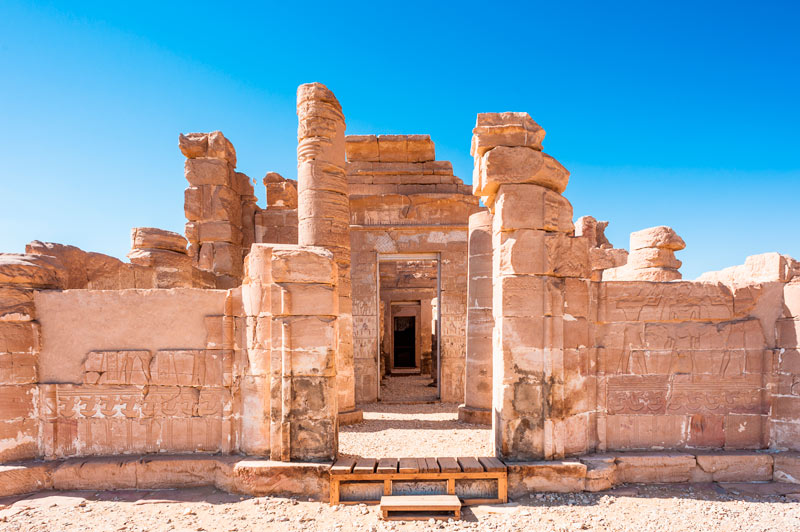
<point>324,214</point>
<point>289,296</point>
<point>540,290</point>
<point>477,407</point>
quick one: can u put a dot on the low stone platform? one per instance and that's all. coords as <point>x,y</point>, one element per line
<point>599,472</point>
<point>234,474</point>
<point>259,477</point>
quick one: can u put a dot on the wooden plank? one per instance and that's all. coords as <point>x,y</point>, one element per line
<point>429,503</point>
<point>449,465</point>
<point>426,467</point>
<point>492,464</point>
<point>470,464</point>
<point>343,466</point>
<point>387,465</point>
<point>408,465</point>
<point>432,465</point>
<point>365,465</point>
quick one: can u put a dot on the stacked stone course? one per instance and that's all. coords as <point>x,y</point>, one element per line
<point>217,201</point>
<point>542,391</point>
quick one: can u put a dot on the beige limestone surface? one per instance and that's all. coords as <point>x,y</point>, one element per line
<point>75,322</point>
<point>680,507</point>
<point>419,430</point>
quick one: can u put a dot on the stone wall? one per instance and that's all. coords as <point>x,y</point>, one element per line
<point>598,349</point>
<point>404,201</point>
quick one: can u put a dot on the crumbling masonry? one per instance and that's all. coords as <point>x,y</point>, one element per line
<point>264,329</point>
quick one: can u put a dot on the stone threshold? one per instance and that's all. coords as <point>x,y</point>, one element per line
<point>603,471</point>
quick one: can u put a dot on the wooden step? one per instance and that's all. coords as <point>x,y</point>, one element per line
<point>420,507</point>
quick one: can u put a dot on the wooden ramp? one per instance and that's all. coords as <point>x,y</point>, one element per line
<point>419,507</point>
<point>481,480</point>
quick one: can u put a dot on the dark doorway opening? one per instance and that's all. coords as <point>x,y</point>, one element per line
<point>405,341</point>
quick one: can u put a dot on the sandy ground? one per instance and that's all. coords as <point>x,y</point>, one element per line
<point>407,389</point>
<point>418,430</point>
<point>674,508</point>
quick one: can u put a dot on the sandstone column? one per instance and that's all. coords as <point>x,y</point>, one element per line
<point>539,272</point>
<point>477,405</point>
<point>324,214</point>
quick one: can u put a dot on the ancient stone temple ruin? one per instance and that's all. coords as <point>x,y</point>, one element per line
<point>232,355</point>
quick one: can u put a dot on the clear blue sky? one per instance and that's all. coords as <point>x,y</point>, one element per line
<point>677,113</point>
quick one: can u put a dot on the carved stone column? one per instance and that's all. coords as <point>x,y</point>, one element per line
<point>477,407</point>
<point>324,214</point>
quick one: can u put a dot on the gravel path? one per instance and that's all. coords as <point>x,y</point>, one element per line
<point>675,508</point>
<point>419,430</point>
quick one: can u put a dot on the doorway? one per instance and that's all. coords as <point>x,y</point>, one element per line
<point>404,335</point>
<point>408,320</point>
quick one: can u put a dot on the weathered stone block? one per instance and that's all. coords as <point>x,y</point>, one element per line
<point>531,207</point>
<point>18,368</point>
<point>16,304</point>
<point>362,148</point>
<point>278,479</point>
<point>503,165</point>
<point>173,472</point>
<point>36,271</point>
<point>153,238</point>
<point>207,171</point>
<point>736,466</point>
<point>95,474</point>
<point>661,467</point>
<point>27,478</point>
<point>556,476</point>
<point>787,468</point>
<point>505,129</point>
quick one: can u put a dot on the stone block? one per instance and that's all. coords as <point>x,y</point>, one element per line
<point>35,271</point>
<point>791,299</point>
<point>503,165</point>
<point>531,207</point>
<point>25,478</point>
<point>787,468</point>
<point>219,232</point>
<point>505,129</point>
<point>554,476</point>
<point>16,304</point>
<point>291,264</point>
<point>743,431</point>
<point>362,148</point>
<point>660,467</point>
<point>19,337</point>
<point>153,238</point>
<point>19,438</point>
<point>276,479</point>
<point>420,149</point>
<point>533,252</point>
<point>96,474</point>
<point>175,472</point>
<point>736,466</point>
<point>18,368</point>
<point>628,432</point>
<point>662,237</point>
<point>393,148</point>
<point>601,472</point>
<point>207,171</point>
<point>788,333</point>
